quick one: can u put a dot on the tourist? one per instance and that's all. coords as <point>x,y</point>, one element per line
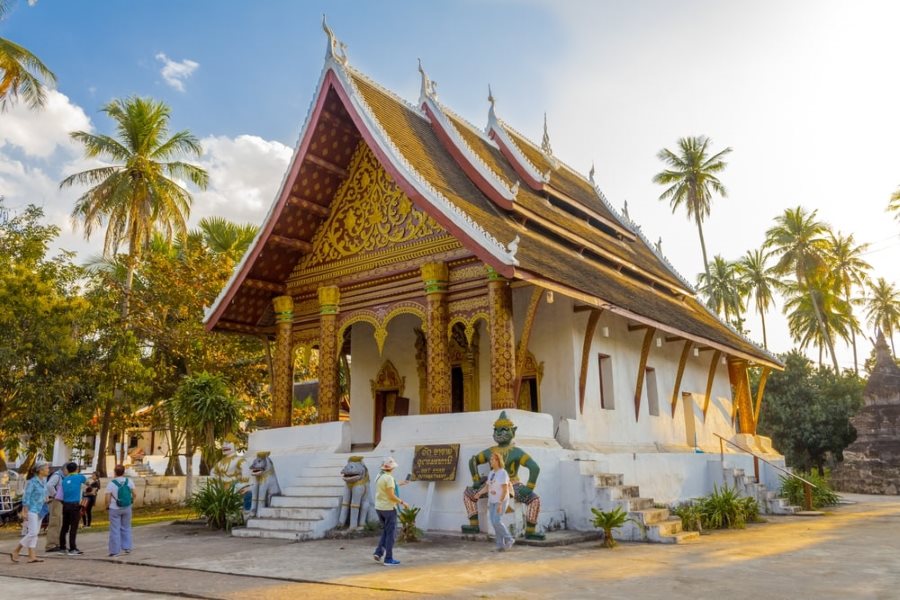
<point>90,499</point>
<point>54,502</point>
<point>33,501</point>
<point>119,501</point>
<point>499,488</point>
<point>386,502</point>
<point>72,485</point>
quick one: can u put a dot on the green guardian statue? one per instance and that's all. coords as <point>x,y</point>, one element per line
<point>513,457</point>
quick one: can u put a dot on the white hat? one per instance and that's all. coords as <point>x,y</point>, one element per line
<point>389,464</point>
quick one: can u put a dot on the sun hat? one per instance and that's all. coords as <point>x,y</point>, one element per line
<point>389,464</point>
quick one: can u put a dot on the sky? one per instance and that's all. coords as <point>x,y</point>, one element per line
<point>805,92</point>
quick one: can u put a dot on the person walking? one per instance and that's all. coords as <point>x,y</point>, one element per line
<point>33,501</point>
<point>90,499</point>
<point>72,486</point>
<point>386,502</point>
<point>499,488</point>
<point>54,502</point>
<point>119,501</point>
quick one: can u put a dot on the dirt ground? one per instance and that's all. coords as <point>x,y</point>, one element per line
<point>851,552</point>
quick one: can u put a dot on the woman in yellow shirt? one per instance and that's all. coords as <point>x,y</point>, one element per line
<point>386,502</point>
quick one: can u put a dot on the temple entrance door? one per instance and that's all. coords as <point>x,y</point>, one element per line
<point>457,395</point>
<point>528,394</point>
<point>690,425</point>
<point>388,403</point>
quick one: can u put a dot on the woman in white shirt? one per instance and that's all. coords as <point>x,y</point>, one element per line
<point>499,488</point>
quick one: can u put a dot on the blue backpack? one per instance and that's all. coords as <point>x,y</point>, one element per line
<point>124,497</point>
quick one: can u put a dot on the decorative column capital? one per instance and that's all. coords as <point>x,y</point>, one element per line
<point>436,276</point>
<point>329,298</point>
<point>284,309</point>
<point>493,275</point>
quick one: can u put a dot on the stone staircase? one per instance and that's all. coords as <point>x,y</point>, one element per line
<point>141,470</point>
<point>307,508</point>
<point>653,524</point>
<point>747,485</point>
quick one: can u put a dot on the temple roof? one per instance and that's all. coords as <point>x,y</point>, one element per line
<point>506,199</point>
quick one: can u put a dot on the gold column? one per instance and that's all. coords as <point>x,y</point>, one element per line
<point>329,394</point>
<point>283,363</point>
<point>436,277</point>
<point>503,348</point>
<point>737,374</point>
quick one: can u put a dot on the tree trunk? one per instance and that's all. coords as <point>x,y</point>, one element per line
<point>104,436</point>
<point>762,316</point>
<point>189,467</point>
<point>822,329</point>
<point>852,334</point>
<point>703,248</point>
<point>174,466</point>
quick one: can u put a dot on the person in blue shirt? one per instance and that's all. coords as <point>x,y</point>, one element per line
<point>32,502</point>
<point>72,485</point>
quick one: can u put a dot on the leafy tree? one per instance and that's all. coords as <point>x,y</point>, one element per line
<point>759,281</point>
<point>883,309</point>
<point>849,269</point>
<point>799,240</point>
<point>137,194</point>
<point>723,290</point>
<point>807,411</point>
<point>21,72</point>
<point>692,179</point>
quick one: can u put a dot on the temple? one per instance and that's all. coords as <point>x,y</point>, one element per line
<point>460,271</point>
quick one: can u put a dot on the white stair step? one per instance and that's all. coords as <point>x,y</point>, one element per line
<point>282,524</point>
<point>319,490</point>
<point>650,516</point>
<point>273,534</point>
<point>326,502</point>
<point>311,514</point>
<point>318,481</point>
<point>680,538</point>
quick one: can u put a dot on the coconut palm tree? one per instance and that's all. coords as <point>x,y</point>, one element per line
<point>225,237</point>
<point>759,281</point>
<point>691,178</point>
<point>846,265</point>
<point>801,306</point>
<point>799,240</point>
<point>137,194</point>
<point>894,205</point>
<point>883,309</point>
<point>722,289</point>
<point>21,72</point>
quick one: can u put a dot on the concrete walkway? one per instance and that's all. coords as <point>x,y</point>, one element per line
<point>852,552</point>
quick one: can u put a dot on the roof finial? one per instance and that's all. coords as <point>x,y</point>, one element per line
<point>591,173</point>
<point>545,142</point>
<point>428,88</point>
<point>625,210</point>
<point>659,246</point>
<point>336,49</point>
<point>491,96</point>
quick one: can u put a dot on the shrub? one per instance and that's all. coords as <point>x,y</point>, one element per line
<point>609,520</point>
<point>690,515</point>
<point>724,509</point>
<point>822,494</point>
<point>408,530</point>
<point>220,503</point>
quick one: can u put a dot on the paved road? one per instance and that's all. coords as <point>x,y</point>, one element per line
<point>853,552</point>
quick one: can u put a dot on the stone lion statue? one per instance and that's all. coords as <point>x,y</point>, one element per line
<point>230,469</point>
<point>357,504</point>
<point>265,483</point>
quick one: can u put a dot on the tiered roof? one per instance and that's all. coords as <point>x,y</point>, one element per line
<point>508,200</point>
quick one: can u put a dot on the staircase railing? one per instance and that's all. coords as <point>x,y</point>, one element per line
<point>807,485</point>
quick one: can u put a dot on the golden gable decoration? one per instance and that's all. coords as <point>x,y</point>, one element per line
<point>370,212</point>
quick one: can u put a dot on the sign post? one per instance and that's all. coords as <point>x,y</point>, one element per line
<point>431,464</point>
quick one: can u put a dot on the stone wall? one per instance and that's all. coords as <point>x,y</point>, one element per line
<point>153,491</point>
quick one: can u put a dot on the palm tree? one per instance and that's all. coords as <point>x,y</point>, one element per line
<point>134,196</point>
<point>801,306</point>
<point>722,289</point>
<point>799,240</point>
<point>894,205</point>
<point>692,180</point>
<point>883,309</point>
<point>225,237</point>
<point>21,72</point>
<point>759,280</point>
<point>846,265</point>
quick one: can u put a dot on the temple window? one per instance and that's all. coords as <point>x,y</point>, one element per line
<point>606,382</point>
<point>652,391</point>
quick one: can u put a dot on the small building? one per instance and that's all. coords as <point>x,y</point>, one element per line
<point>466,271</point>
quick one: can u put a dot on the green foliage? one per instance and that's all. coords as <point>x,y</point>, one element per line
<point>220,503</point>
<point>807,411</point>
<point>21,72</point>
<point>822,495</point>
<point>725,509</point>
<point>408,530</point>
<point>690,515</point>
<point>607,520</point>
<point>205,407</point>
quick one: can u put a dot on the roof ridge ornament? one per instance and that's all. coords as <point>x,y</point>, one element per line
<point>336,50</point>
<point>428,88</point>
<point>545,141</point>
<point>591,174</point>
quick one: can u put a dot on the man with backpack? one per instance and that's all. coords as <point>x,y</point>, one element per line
<point>54,484</point>
<point>119,501</point>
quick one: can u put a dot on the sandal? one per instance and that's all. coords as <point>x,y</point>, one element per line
<point>34,560</point>
<point>12,557</point>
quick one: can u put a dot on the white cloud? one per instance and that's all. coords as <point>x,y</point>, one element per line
<point>40,133</point>
<point>175,73</point>
<point>244,175</point>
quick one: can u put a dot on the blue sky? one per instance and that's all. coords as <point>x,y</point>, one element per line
<point>804,91</point>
